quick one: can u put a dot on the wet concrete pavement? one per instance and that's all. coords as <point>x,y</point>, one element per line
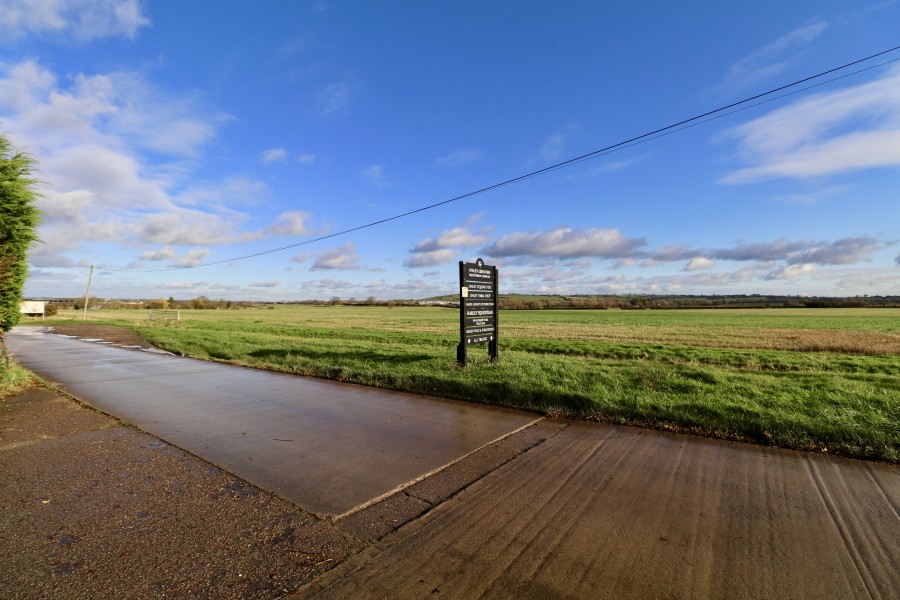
<point>614,512</point>
<point>330,448</point>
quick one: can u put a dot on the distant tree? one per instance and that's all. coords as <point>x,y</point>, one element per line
<point>19,218</point>
<point>335,300</point>
<point>200,302</point>
<point>78,304</point>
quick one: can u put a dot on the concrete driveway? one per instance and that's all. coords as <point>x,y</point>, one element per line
<point>616,512</point>
<point>330,448</point>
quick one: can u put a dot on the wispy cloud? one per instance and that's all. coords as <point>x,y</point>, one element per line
<point>81,20</point>
<point>334,99</point>
<point>273,155</point>
<point>847,130</point>
<point>553,147</point>
<point>374,174</point>
<point>812,197</point>
<point>459,158</point>
<point>773,58</point>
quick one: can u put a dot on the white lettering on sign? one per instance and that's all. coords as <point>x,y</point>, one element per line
<point>471,330</point>
<point>479,304</point>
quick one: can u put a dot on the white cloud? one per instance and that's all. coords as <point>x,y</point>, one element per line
<point>793,272</point>
<point>116,152</point>
<point>191,258</point>
<point>290,223</point>
<point>448,245</point>
<point>185,227</point>
<point>264,284</point>
<point>306,159</point>
<point>273,155</point>
<point>374,174</point>
<point>340,258</point>
<point>459,158</point>
<point>113,177</point>
<point>164,253</point>
<point>458,237</point>
<point>699,264</point>
<point>431,258</point>
<point>64,208</point>
<point>847,130</point>
<point>566,242</point>
<point>82,20</point>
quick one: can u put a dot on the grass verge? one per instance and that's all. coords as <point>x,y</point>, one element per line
<point>13,377</point>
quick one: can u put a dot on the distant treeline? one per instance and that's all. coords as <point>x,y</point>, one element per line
<point>643,302</point>
<point>515,302</point>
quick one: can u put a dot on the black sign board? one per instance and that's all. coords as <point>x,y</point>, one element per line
<point>477,308</point>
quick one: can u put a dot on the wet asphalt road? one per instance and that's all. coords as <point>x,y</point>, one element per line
<point>330,448</point>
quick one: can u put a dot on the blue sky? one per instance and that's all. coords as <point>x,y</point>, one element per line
<point>176,134</point>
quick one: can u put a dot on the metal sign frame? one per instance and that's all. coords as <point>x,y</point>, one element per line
<point>478,314</point>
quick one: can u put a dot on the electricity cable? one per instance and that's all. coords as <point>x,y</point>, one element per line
<point>59,284</point>
<point>668,129</point>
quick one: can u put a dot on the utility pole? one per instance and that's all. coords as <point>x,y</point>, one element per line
<point>87,293</point>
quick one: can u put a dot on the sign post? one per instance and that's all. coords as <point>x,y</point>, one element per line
<point>478,318</point>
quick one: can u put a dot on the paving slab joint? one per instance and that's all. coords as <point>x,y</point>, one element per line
<point>381,518</point>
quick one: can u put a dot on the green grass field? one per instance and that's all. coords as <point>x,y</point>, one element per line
<point>817,379</point>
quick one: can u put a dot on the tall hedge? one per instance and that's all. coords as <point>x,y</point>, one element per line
<point>19,218</point>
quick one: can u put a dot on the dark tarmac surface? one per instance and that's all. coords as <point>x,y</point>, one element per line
<point>557,509</point>
<point>328,447</point>
<point>93,509</point>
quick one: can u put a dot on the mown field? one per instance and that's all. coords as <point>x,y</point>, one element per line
<point>817,379</point>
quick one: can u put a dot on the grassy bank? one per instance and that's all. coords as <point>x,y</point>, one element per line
<point>818,379</point>
<point>13,378</point>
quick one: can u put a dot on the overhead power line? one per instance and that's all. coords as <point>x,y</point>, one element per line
<point>59,284</point>
<point>668,129</point>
